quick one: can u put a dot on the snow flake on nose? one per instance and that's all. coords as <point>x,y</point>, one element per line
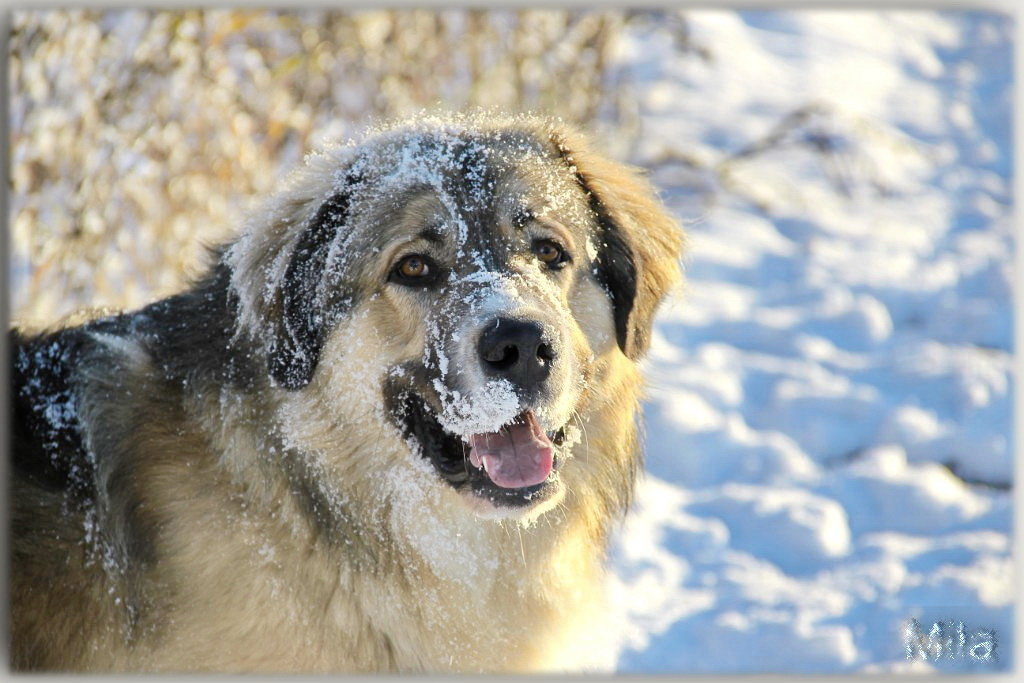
<point>486,409</point>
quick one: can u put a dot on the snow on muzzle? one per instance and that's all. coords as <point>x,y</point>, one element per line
<point>517,455</point>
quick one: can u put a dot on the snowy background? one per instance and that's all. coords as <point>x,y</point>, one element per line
<point>829,440</point>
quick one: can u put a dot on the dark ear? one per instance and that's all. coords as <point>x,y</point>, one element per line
<point>639,242</point>
<point>304,314</point>
<point>615,269</point>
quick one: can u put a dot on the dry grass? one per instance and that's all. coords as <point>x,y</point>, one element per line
<point>137,137</point>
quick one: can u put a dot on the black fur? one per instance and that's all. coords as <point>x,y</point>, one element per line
<point>615,267</point>
<point>616,272</point>
<point>203,317</point>
<point>295,350</point>
<point>47,445</point>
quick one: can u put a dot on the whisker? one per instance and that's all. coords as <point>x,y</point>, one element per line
<point>522,550</point>
<point>586,438</point>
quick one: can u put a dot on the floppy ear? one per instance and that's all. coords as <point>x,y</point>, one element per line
<point>302,326</point>
<point>285,275</point>
<point>639,242</point>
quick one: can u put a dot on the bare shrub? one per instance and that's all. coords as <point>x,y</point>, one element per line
<point>138,137</point>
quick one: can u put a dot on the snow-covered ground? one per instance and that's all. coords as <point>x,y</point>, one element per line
<point>829,439</point>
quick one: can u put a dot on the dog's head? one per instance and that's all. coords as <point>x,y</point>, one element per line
<point>471,277</point>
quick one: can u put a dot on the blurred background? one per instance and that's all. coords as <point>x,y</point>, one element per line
<point>829,437</point>
<point>138,136</point>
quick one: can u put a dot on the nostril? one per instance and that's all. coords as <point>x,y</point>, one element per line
<point>502,356</point>
<point>545,352</point>
<point>505,359</point>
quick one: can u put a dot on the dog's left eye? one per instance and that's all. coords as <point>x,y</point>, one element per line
<point>550,253</point>
<point>414,270</point>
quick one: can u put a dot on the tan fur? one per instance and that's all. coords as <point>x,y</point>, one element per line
<point>412,579</point>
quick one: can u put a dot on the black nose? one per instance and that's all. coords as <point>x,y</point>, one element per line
<point>517,351</point>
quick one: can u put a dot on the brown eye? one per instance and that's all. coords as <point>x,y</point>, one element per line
<point>549,253</point>
<point>415,270</point>
<point>413,267</point>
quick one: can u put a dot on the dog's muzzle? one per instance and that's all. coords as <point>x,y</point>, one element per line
<point>512,466</point>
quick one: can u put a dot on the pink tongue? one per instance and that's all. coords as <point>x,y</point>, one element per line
<point>518,455</point>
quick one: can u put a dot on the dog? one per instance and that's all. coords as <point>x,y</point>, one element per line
<point>390,429</point>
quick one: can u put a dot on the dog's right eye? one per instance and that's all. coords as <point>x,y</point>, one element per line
<point>414,270</point>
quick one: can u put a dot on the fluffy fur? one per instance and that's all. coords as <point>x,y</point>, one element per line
<point>231,479</point>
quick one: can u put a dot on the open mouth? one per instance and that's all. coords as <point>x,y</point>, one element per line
<point>510,467</point>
